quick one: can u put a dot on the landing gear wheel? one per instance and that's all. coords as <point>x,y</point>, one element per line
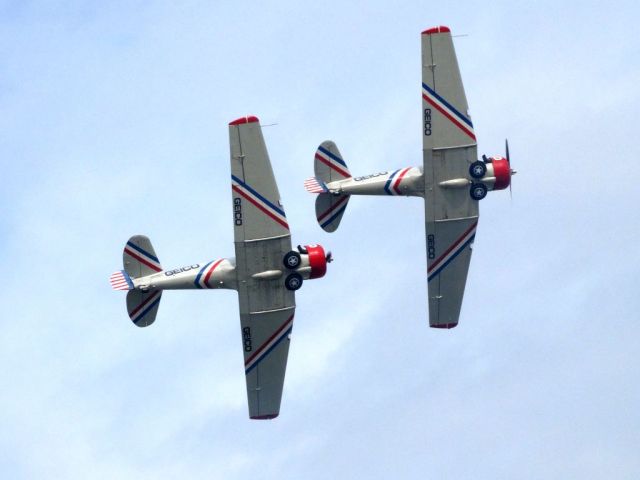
<point>478,191</point>
<point>293,282</point>
<point>477,169</point>
<point>292,260</point>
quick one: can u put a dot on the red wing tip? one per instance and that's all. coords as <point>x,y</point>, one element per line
<point>440,29</point>
<point>445,325</point>
<point>271,416</point>
<point>241,120</point>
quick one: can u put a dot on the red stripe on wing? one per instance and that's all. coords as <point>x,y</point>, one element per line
<point>260,207</point>
<point>449,116</point>
<point>454,245</point>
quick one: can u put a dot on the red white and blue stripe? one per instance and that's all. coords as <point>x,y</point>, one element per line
<point>202,279</point>
<point>314,185</point>
<point>264,205</point>
<point>267,347</point>
<point>393,182</point>
<point>334,212</point>
<point>332,161</point>
<point>143,256</point>
<point>458,119</point>
<point>120,280</point>
<point>151,302</point>
<point>452,252</point>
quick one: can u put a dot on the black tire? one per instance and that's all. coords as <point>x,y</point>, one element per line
<point>478,191</point>
<point>293,281</point>
<point>292,260</point>
<point>477,169</point>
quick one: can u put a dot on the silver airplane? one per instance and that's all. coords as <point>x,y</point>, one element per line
<point>266,271</point>
<point>452,180</point>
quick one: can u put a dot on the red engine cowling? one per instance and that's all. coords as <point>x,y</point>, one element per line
<point>317,260</point>
<point>502,172</point>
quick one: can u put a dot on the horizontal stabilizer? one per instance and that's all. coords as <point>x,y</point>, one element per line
<point>329,210</point>
<point>143,306</point>
<point>120,280</point>
<point>329,165</point>
<point>140,258</point>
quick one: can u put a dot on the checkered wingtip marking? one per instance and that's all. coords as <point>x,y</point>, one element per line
<point>120,281</point>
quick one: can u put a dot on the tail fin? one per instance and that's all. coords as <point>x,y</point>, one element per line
<point>140,258</point>
<point>143,306</point>
<point>329,165</point>
<point>121,280</point>
<point>315,185</point>
<point>329,210</point>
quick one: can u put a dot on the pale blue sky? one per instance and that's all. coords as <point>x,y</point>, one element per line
<point>113,122</point>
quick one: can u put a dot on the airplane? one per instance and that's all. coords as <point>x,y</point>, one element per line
<point>451,180</point>
<point>265,272</point>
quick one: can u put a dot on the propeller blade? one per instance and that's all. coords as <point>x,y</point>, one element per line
<point>329,257</point>
<point>512,172</point>
<point>506,147</point>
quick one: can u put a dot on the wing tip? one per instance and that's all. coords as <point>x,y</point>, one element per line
<point>243,120</point>
<point>438,29</point>
<point>446,326</point>
<point>269,416</point>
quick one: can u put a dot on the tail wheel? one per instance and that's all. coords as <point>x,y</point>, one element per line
<point>477,169</point>
<point>478,191</point>
<point>292,260</point>
<point>293,282</point>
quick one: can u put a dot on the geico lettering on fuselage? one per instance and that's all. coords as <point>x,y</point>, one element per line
<point>168,273</point>
<point>367,177</point>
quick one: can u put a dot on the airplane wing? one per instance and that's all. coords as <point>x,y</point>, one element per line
<point>261,235</point>
<point>449,144</point>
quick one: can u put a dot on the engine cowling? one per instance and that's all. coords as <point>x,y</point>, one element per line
<point>317,260</point>
<point>501,172</point>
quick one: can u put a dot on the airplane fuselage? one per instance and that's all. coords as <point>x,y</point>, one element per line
<point>216,274</point>
<point>408,181</point>
<point>219,273</point>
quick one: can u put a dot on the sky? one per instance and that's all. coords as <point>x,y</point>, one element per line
<point>113,122</point>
